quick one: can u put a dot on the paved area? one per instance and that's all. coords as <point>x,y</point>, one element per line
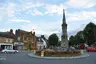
<point>23,58</point>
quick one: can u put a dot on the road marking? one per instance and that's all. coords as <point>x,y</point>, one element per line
<point>2,58</point>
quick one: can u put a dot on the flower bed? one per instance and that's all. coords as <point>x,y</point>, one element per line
<point>58,53</point>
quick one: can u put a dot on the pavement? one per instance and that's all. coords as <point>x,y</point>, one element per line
<point>23,58</point>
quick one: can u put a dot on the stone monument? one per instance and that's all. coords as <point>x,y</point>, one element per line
<point>64,37</point>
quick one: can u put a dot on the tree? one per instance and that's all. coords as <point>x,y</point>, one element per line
<point>53,40</point>
<point>80,37</point>
<point>71,40</point>
<point>77,39</point>
<point>89,33</point>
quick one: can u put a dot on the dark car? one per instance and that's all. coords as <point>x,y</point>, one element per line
<point>0,49</point>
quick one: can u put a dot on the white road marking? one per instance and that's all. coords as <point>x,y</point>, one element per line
<point>2,58</point>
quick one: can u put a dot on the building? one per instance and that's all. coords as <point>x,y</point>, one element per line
<point>6,39</point>
<point>6,46</point>
<point>64,37</point>
<point>18,45</point>
<point>28,38</point>
<point>41,42</point>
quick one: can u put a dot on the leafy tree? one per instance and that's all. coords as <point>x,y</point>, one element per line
<point>53,40</point>
<point>95,33</point>
<point>89,33</point>
<point>72,40</point>
<point>79,37</point>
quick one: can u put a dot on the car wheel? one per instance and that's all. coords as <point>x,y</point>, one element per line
<point>15,52</point>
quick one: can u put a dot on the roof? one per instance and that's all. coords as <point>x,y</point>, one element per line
<point>7,35</point>
<point>19,31</point>
<point>22,30</point>
<point>39,39</point>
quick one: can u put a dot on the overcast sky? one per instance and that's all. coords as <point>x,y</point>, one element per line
<point>45,16</point>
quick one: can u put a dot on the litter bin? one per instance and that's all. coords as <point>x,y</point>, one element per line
<point>42,53</point>
<point>82,51</point>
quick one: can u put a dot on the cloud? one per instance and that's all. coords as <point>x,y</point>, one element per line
<point>43,27</point>
<point>7,11</point>
<point>0,18</point>
<point>18,20</point>
<point>11,9</point>
<point>81,16</point>
<point>36,12</point>
<point>2,12</point>
<point>30,4</point>
<point>80,3</point>
<point>6,30</point>
<point>40,9</point>
<point>53,8</point>
<point>48,9</point>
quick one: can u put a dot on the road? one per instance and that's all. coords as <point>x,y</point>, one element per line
<point>23,58</point>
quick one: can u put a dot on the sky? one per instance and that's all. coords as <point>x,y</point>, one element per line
<point>45,16</point>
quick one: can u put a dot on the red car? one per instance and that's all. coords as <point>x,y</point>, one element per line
<point>91,49</point>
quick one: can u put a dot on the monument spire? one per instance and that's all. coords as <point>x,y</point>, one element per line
<point>64,19</point>
<point>64,38</point>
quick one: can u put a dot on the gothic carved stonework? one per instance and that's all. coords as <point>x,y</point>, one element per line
<point>64,37</point>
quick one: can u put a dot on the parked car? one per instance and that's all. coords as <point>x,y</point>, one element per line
<point>91,49</point>
<point>0,49</point>
<point>9,51</point>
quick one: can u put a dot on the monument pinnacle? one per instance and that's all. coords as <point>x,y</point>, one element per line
<point>64,19</point>
<point>64,38</point>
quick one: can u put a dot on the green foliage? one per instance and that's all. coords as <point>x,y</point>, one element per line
<point>71,40</point>
<point>53,40</point>
<point>80,37</point>
<point>88,34</point>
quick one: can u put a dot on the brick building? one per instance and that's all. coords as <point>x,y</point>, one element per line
<point>6,39</point>
<point>28,38</point>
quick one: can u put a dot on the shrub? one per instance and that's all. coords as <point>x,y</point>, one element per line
<point>58,53</point>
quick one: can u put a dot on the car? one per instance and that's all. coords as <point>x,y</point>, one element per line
<point>91,49</point>
<point>9,51</point>
<point>0,49</point>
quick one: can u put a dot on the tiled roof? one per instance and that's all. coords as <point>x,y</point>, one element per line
<point>7,35</point>
<point>21,30</point>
